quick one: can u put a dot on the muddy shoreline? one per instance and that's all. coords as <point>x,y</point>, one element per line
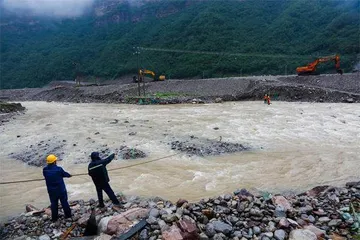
<point>322,88</point>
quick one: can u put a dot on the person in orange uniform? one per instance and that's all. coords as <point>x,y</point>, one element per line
<point>265,98</point>
<point>268,99</point>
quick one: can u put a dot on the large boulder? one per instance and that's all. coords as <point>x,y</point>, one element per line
<point>222,227</point>
<point>189,230</point>
<point>282,202</point>
<point>302,234</point>
<point>121,223</point>
<point>173,233</point>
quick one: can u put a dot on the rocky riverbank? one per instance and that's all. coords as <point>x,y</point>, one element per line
<point>9,110</point>
<point>322,88</point>
<point>323,212</point>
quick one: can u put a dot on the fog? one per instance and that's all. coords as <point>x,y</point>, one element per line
<point>55,8</point>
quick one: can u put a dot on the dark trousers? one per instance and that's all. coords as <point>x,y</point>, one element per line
<point>54,199</point>
<point>106,187</point>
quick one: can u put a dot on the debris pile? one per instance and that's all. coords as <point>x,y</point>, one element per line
<point>206,147</point>
<point>125,152</point>
<point>322,213</point>
<point>35,154</point>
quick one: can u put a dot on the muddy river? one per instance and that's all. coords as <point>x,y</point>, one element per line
<point>294,146</point>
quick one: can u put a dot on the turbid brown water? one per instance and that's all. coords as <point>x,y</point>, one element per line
<point>294,146</point>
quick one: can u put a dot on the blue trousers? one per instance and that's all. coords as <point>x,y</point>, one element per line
<point>106,187</point>
<point>54,199</point>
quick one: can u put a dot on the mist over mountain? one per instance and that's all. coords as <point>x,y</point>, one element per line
<point>42,40</point>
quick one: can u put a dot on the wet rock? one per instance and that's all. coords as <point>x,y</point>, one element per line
<point>132,133</point>
<point>181,202</point>
<point>163,226</point>
<point>218,100</point>
<point>350,100</point>
<point>35,154</point>
<point>120,223</point>
<point>281,201</point>
<point>44,237</point>
<point>318,232</point>
<point>324,220</point>
<point>284,223</point>
<point>203,236</point>
<point>172,234</point>
<point>256,230</point>
<point>206,147</point>
<point>280,211</point>
<point>305,210</point>
<point>210,230</point>
<point>320,212</point>
<point>222,227</point>
<point>130,153</point>
<point>302,234</point>
<point>279,234</point>
<point>31,208</point>
<point>334,222</point>
<point>154,212</point>
<point>169,218</point>
<point>256,212</point>
<point>103,237</point>
<point>188,229</point>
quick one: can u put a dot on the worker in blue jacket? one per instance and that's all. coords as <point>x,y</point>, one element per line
<point>56,187</point>
<point>97,171</point>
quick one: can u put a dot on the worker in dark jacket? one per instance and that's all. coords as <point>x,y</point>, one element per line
<point>56,187</point>
<point>97,171</point>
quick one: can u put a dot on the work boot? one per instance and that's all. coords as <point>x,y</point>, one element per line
<point>100,206</point>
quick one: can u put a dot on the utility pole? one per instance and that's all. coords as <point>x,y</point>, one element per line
<point>137,52</point>
<point>285,69</point>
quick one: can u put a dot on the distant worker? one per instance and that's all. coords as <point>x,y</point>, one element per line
<point>265,98</point>
<point>56,187</point>
<point>268,99</point>
<point>97,171</point>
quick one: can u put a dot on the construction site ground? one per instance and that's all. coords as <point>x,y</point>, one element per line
<point>317,88</point>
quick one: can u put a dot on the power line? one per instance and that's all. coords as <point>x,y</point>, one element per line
<point>82,174</point>
<point>226,53</point>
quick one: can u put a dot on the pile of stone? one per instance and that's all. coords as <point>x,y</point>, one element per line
<point>6,107</point>
<point>321,213</point>
<point>206,147</point>
<point>125,152</point>
<point>35,154</point>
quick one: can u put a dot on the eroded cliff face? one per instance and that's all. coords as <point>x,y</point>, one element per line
<point>101,12</point>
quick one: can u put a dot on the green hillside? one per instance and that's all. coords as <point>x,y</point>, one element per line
<point>250,37</point>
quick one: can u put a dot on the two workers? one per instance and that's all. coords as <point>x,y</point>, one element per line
<point>54,177</point>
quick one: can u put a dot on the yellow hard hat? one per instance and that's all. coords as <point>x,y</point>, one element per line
<point>51,159</point>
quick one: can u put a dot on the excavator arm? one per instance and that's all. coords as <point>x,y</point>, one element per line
<point>143,72</point>
<point>311,67</point>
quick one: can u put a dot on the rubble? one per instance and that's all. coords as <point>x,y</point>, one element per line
<point>241,215</point>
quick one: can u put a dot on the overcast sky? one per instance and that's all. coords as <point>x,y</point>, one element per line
<point>56,8</point>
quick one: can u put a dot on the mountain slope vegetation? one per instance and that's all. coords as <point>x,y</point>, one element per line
<point>249,37</point>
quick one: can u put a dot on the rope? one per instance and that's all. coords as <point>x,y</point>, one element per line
<point>66,234</point>
<point>82,174</point>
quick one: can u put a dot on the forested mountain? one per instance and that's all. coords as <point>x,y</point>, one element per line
<point>249,37</point>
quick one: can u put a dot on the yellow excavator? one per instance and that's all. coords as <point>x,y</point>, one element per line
<point>143,72</point>
<point>311,67</point>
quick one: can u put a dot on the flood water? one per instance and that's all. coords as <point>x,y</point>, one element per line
<point>294,146</point>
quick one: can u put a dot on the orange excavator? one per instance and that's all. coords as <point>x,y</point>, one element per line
<point>311,67</point>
